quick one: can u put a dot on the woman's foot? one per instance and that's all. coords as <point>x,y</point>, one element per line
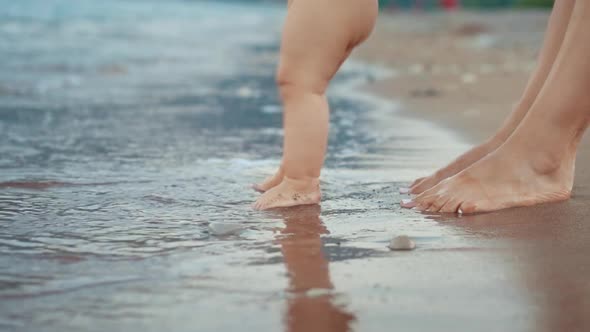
<point>270,182</point>
<point>558,24</point>
<point>536,163</point>
<point>290,192</point>
<point>512,176</point>
<point>462,162</point>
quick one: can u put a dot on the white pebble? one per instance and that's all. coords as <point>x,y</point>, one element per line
<point>402,242</point>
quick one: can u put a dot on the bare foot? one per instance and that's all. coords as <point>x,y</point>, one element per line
<point>270,182</point>
<point>475,154</point>
<point>462,162</point>
<point>290,192</point>
<point>505,178</point>
<point>536,163</point>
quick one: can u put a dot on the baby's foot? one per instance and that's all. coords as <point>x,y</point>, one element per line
<point>290,192</point>
<point>270,182</point>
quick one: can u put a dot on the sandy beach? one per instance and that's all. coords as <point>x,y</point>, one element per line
<point>464,71</point>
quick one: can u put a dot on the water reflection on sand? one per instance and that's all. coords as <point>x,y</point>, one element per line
<point>311,304</point>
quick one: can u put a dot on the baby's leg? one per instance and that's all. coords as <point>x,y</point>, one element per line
<point>317,38</point>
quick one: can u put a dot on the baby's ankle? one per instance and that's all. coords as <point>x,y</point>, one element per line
<point>306,183</point>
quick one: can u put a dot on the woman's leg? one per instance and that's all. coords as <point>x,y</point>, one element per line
<point>317,38</point>
<point>554,36</point>
<point>536,164</point>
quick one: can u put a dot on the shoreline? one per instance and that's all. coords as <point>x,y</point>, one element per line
<point>388,158</point>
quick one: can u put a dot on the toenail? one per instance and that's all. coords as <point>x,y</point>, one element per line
<point>408,203</point>
<point>404,191</point>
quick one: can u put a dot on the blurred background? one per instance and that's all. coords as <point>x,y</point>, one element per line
<point>466,4</point>
<point>451,4</point>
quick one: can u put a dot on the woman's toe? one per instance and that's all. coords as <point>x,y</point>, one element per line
<point>421,187</point>
<point>438,203</point>
<point>417,181</point>
<point>424,203</point>
<point>451,206</point>
<point>408,203</point>
<point>467,207</point>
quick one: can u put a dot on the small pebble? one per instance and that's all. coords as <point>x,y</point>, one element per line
<point>402,242</point>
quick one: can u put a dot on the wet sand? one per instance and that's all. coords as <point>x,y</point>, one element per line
<point>463,72</point>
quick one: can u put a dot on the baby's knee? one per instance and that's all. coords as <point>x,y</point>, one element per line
<point>289,89</point>
<point>292,85</point>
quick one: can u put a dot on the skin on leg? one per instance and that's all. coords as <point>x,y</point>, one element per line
<point>318,37</point>
<point>554,36</point>
<point>536,164</point>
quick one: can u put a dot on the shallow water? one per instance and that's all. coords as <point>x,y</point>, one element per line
<point>129,133</point>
